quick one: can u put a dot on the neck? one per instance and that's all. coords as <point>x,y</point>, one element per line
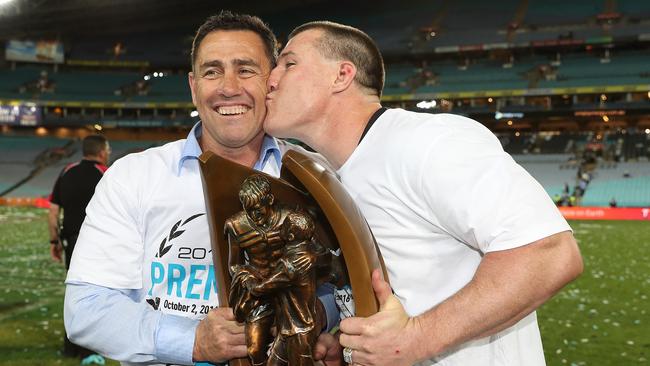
<point>338,133</point>
<point>93,158</point>
<point>246,155</point>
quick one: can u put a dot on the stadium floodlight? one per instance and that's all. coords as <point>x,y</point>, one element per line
<point>155,74</point>
<point>499,115</point>
<point>647,131</point>
<point>194,114</point>
<point>147,77</point>
<point>427,105</point>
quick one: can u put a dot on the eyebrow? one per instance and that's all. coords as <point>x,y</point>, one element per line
<point>245,62</point>
<point>285,54</point>
<point>236,62</point>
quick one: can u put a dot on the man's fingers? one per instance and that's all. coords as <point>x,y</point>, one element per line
<point>238,351</point>
<point>381,287</point>
<point>325,341</point>
<point>225,313</point>
<point>351,341</point>
<point>360,357</point>
<point>352,326</point>
<point>234,328</point>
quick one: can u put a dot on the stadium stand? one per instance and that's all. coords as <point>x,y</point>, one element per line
<point>31,164</point>
<point>630,192</point>
<point>556,81</point>
<point>550,170</point>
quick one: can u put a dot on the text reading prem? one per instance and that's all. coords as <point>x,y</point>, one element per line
<point>192,285</point>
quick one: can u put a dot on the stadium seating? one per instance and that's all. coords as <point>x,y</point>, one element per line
<point>628,192</point>
<point>553,12</point>
<point>19,157</point>
<point>550,170</point>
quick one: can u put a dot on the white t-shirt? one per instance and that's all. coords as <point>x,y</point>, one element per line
<point>146,228</point>
<point>439,192</point>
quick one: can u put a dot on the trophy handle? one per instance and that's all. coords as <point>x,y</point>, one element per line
<point>350,227</point>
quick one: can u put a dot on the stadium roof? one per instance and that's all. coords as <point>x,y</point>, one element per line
<point>78,19</point>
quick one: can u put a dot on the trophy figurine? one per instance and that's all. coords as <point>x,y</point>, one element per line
<point>274,242</point>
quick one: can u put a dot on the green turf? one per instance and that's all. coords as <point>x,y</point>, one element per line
<point>601,319</point>
<point>31,292</point>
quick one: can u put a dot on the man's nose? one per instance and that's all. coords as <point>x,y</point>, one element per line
<point>230,85</point>
<point>272,83</point>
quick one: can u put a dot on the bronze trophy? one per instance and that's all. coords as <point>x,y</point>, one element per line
<point>274,241</point>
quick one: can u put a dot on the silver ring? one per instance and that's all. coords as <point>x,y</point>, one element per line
<point>347,355</point>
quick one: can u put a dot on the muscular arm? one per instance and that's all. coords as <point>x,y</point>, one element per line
<point>507,286</point>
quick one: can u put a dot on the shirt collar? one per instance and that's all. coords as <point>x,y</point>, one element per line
<point>269,148</point>
<point>192,149</point>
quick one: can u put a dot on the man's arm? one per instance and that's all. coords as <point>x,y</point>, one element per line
<point>114,323</point>
<point>507,286</point>
<point>53,228</point>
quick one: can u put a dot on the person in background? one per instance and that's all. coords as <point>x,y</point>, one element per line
<point>71,193</point>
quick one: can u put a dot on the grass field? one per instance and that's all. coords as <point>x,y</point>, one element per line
<point>601,319</point>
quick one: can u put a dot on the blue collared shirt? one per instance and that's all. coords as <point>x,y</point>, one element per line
<point>192,149</point>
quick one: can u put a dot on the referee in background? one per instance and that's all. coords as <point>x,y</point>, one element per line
<point>72,191</point>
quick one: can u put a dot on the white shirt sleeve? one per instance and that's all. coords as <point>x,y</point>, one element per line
<point>109,249</point>
<point>481,196</point>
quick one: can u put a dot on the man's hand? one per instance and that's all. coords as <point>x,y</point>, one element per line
<point>389,337</point>
<point>328,350</point>
<point>55,252</point>
<point>219,337</point>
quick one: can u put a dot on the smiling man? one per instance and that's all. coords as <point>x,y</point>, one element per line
<point>472,243</point>
<point>141,287</point>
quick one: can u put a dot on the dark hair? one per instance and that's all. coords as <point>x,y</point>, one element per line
<point>342,42</point>
<point>92,145</point>
<point>227,20</point>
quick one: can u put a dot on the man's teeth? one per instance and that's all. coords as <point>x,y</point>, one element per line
<point>235,109</point>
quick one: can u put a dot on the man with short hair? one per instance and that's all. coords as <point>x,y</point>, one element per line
<point>141,288</point>
<point>472,243</point>
<point>71,193</point>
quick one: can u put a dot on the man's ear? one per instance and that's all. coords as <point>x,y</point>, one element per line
<point>345,76</point>
<point>190,80</point>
